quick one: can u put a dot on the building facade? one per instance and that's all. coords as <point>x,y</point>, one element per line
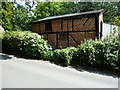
<point>70,29</point>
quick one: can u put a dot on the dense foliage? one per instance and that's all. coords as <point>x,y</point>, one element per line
<point>111,9</point>
<point>18,17</point>
<point>31,44</point>
<point>22,18</point>
<point>63,56</point>
<point>7,15</point>
<point>101,53</point>
<point>12,39</point>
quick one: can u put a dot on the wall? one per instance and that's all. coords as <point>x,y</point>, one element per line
<point>77,23</point>
<point>38,27</point>
<point>108,28</point>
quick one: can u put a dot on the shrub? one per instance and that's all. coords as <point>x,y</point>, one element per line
<point>85,53</point>
<point>101,53</point>
<point>12,39</point>
<point>47,55</point>
<point>106,53</point>
<point>63,56</point>
<point>33,45</point>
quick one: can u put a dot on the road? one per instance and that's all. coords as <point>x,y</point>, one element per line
<point>26,73</point>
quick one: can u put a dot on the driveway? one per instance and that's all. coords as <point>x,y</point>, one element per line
<point>27,73</point>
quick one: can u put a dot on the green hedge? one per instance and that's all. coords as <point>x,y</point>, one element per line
<point>30,44</point>
<point>63,56</point>
<point>12,39</point>
<point>101,53</point>
<point>33,45</point>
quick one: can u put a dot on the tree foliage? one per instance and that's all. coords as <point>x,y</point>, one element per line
<point>7,15</point>
<point>18,17</point>
<point>111,9</point>
<point>22,18</point>
<point>48,9</point>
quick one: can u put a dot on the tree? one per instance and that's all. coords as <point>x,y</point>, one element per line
<point>22,18</point>
<point>46,9</point>
<point>7,15</point>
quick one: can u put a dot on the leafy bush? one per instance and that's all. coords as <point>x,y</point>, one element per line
<point>63,56</point>
<point>33,45</point>
<point>47,55</point>
<point>106,52</point>
<point>101,53</point>
<point>86,53</point>
<point>12,39</point>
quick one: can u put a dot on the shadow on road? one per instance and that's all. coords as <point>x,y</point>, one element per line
<point>4,57</point>
<point>97,71</point>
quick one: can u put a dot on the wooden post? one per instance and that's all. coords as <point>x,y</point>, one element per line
<point>39,28</point>
<point>97,25</point>
<point>68,39</point>
<point>61,25</point>
<point>47,37</point>
<point>67,25</point>
<point>101,27</point>
<point>72,24</point>
<point>67,35</point>
<point>57,39</point>
<point>85,35</point>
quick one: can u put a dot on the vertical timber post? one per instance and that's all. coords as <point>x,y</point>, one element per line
<point>101,28</point>
<point>67,34</point>
<point>97,25</point>
<point>61,25</point>
<point>72,24</point>
<point>57,39</point>
<point>67,39</point>
<point>39,28</point>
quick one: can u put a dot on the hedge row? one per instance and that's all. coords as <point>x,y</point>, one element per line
<point>25,42</point>
<point>101,53</point>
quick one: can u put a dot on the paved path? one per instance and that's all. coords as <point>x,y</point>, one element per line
<point>25,73</point>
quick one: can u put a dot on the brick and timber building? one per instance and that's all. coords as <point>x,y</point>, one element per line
<point>70,29</point>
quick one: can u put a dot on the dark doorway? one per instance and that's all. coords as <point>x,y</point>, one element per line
<point>48,26</point>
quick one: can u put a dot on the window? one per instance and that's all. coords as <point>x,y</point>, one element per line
<point>48,26</point>
<point>63,37</point>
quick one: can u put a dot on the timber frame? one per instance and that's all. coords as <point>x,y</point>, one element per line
<point>67,24</point>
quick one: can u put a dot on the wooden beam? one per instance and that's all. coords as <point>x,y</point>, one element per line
<point>68,39</point>
<point>97,25</point>
<point>61,25</point>
<point>86,21</point>
<point>85,35</point>
<point>74,39</point>
<point>39,27</point>
<point>67,35</point>
<point>101,28</point>
<point>57,40</point>
<point>72,24</point>
<point>67,25</point>
<point>69,32</point>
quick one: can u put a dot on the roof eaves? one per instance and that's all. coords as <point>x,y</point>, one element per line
<point>68,15</point>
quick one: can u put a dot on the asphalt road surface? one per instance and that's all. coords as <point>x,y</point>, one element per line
<point>26,73</point>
